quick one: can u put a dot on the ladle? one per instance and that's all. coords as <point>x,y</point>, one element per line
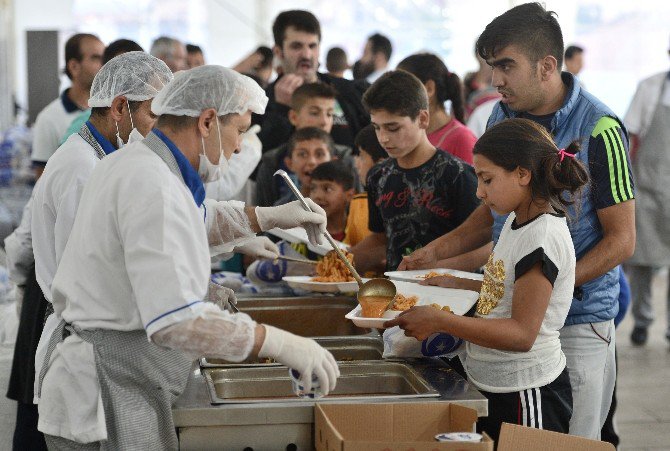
<point>374,287</point>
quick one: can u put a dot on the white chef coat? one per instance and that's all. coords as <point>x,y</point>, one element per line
<point>19,247</point>
<point>140,261</point>
<point>50,126</point>
<point>641,110</point>
<point>56,198</point>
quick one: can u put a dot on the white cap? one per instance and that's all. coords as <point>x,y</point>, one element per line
<point>136,75</point>
<point>195,90</point>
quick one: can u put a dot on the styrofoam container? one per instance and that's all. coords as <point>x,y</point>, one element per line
<point>417,275</point>
<point>459,301</point>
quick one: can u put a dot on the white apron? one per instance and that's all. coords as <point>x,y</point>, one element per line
<point>652,192</point>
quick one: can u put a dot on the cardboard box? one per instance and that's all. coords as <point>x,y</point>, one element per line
<point>521,438</point>
<point>391,427</point>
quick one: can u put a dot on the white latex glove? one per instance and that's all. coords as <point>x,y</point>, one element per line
<point>303,355</point>
<point>221,296</point>
<point>259,247</point>
<point>292,215</point>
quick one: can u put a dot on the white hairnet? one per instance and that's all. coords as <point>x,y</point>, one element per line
<point>200,88</point>
<point>136,75</point>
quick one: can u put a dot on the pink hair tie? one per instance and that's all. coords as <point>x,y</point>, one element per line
<point>564,154</point>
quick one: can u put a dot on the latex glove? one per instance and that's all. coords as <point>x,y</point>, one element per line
<point>292,215</point>
<point>221,296</point>
<point>259,247</point>
<point>303,355</point>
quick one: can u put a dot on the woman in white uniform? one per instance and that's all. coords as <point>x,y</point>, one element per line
<point>130,287</point>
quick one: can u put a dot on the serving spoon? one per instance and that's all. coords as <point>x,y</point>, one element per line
<point>376,287</point>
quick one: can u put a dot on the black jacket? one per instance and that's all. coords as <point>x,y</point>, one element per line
<point>276,128</point>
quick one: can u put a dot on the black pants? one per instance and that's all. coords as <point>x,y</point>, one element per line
<point>608,432</point>
<point>22,377</point>
<point>26,435</point>
<point>548,407</point>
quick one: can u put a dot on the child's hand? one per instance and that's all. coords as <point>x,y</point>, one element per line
<point>423,258</point>
<point>418,322</point>
<point>459,283</point>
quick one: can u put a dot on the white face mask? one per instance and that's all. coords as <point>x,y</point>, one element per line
<point>135,135</point>
<point>208,171</point>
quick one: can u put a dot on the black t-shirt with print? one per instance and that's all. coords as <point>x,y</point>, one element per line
<point>415,206</point>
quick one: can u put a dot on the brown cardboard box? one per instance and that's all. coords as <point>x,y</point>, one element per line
<point>393,427</point>
<point>521,438</point>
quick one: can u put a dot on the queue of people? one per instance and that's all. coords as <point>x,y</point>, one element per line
<point>114,250</point>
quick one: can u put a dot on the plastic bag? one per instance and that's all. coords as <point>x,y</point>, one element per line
<point>397,344</point>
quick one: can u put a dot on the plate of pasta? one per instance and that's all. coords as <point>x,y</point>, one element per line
<point>410,294</point>
<point>307,283</point>
<point>332,276</point>
<point>418,275</point>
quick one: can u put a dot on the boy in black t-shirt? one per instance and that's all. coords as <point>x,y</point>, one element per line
<point>419,193</point>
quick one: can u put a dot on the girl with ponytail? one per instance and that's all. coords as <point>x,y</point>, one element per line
<point>445,129</point>
<point>513,353</point>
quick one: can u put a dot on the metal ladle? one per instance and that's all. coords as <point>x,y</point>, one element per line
<point>374,287</point>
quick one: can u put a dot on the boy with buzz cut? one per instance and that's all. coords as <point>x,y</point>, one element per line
<point>312,105</point>
<point>419,193</point>
<point>332,188</point>
<point>306,149</point>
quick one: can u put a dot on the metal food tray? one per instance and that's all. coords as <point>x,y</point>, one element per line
<point>344,349</point>
<point>360,381</point>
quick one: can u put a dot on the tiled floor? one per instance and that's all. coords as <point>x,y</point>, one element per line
<point>643,415</point>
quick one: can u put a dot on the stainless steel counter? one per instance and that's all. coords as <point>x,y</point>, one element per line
<point>288,425</point>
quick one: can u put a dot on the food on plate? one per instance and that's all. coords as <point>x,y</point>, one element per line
<point>373,306</point>
<point>446,308</point>
<point>332,269</point>
<point>403,302</point>
<point>433,274</point>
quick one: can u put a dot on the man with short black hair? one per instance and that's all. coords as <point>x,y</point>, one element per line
<point>336,62</point>
<point>297,37</point>
<point>118,47</point>
<point>525,48</point>
<point>574,59</point>
<point>376,56</point>
<point>83,59</point>
<point>194,56</point>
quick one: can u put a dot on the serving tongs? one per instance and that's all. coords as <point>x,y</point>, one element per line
<point>374,287</point>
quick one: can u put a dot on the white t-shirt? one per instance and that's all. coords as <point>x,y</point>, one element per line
<point>545,239</point>
<point>50,126</point>
<point>140,260</point>
<point>643,106</point>
<point>56,198</point>
<point>480,116</point>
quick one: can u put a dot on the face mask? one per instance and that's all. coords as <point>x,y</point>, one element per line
<point>208,171</point>
<point>135,135</point>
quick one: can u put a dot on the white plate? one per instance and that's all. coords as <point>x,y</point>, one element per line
<point>306,283</point>
<point>417,274</point>
<point>460,302</point>
<point>298,235</point>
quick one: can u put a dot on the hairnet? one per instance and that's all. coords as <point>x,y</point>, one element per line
<point>200,88</point>
<point>136,75</point>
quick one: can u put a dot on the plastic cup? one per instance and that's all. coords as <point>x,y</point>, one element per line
<point>459,437</point>
<point>298,388</point>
